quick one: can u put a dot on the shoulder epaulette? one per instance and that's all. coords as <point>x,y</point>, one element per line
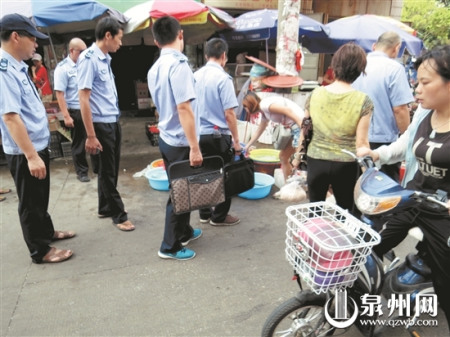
<point>89,53</point>
<point>3,64</point>
<point>181,58</point>
<point>62,62</point>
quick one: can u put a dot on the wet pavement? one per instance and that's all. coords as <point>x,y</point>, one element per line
<point>116,285</point>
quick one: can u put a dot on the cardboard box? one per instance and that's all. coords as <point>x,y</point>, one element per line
<point>53,123</point>
<point>142,90</point>
<point>144,103</point>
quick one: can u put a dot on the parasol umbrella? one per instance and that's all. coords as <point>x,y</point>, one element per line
<point>365,29</point>
<point>399,24</point>
<point>262,24</point>
<point>198,20</point>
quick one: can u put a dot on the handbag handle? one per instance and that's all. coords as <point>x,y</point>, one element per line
<point>241,156</point>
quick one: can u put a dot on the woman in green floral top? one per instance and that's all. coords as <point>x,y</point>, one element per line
<point>340,117</point>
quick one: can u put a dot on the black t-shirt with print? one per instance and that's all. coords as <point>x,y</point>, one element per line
<point>433,156</point>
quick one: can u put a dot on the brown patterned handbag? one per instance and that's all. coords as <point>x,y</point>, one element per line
<point>197,187</point>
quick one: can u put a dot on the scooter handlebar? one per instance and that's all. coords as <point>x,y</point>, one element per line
<point>436,201</point>
<point>438,198</point>
<point>365,162</point>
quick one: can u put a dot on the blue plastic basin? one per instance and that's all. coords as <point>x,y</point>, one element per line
<point>157,178</point>
<point>263,185</point>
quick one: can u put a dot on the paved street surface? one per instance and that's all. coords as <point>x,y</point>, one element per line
<point>116,285</point>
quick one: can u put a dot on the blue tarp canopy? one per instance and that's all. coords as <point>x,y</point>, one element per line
<point>61,16</point>
<point>54,12</point>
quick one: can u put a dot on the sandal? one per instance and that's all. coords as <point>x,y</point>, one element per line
<point>2,198</point>
<point>126,226</point>
<point>63,235</point>
<point>4,190</point>
<point>56,255</point>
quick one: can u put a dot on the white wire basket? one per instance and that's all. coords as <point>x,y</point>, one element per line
<point>326,245</point>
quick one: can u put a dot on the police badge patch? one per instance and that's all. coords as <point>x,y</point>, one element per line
<point>3,64</point>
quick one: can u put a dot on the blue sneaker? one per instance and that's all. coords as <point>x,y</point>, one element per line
<point>195,235</point>
<point>183,254</point>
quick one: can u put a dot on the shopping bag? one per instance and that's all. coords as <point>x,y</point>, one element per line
<point>239,176</point>
<point>197,187</point>
<point>281,136</point>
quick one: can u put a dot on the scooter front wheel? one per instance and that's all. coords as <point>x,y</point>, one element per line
<point>300,316</point>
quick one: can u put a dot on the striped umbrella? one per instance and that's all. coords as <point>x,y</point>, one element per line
<point>199,21</point>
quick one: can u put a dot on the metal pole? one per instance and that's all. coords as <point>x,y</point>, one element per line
<point>52,47</point>
<point>267,51</point>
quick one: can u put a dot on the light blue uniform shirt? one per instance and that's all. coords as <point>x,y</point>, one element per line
<point>65,80</point>
<point>386,84</point>
<point>94,73</point>
<point>215,93</point>
<point>171,82</point>
<point>19,95</point>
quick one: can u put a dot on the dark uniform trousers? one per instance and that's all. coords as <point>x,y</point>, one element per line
<point>78,134</point>
<point>33,193</point>
<point>109,200</point>
<point>177,227</point>
<point>211,146</point>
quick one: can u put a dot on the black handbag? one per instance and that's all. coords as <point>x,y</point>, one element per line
<point>196,187</point>
<point>307,134</point>
<point>239,176</point>
<point>307,130</point>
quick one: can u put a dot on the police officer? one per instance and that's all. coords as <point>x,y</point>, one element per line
<point>66,88</point>
<point>171,84</point>
<point>100,112</point>
<point>214,108</point>
<point>25,137</point>
<point>386,84</point>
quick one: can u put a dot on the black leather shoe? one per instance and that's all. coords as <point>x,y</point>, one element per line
<point>84,179</point>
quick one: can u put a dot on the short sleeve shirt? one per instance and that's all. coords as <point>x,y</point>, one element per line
<point>279,118</point>
<point>335,118</point>
<point>432,154</point>
<point>42,81</point>
<point>94,73</point>
<point>65,79</point>
<point>19,95</point>
<point>387,85</point>
<point>171,82</point>
<point>215,93</point>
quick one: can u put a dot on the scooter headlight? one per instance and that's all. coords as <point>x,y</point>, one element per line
<point>371,205</point>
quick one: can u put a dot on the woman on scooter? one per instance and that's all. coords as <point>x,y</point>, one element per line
<point>425,147</point>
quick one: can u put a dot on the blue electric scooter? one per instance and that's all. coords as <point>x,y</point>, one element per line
<point>308,313</point>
